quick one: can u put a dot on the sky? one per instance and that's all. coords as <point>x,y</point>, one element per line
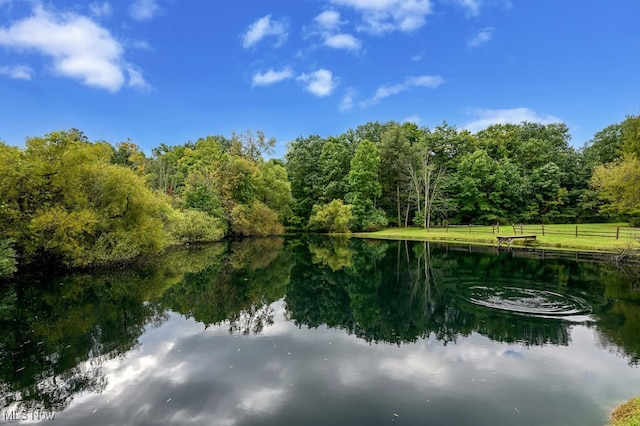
<point>170,71</point>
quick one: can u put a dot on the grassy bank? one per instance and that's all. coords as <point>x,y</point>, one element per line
<point>609,237</point>
<point>627,414</point>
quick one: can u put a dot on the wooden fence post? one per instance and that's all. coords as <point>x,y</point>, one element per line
<point>617,232</point>
<point>514,229</point>
<point>543,229</point>
<point>576,231</point>
<point>469,227</point>
<point>520,229</point>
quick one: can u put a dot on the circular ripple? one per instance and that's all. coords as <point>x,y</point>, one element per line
<point>528,301</point>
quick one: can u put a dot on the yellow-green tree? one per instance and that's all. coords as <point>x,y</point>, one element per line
<point>618,182</point>
<point>333,217</point>
<point>65,200</point>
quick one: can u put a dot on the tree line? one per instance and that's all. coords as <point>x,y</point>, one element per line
<point>383,174</point>
<point>70,201</point>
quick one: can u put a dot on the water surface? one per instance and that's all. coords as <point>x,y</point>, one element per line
<point>323,331</point>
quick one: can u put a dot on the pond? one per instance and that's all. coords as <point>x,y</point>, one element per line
<point>318,331</point>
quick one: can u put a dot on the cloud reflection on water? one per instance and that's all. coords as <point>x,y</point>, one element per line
<point>183,374</point>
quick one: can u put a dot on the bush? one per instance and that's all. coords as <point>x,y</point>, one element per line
<point>374,221</point>
<point>194,226</point>
<point>332,217</point>
<point>255,219</point>
<point>108,216</point>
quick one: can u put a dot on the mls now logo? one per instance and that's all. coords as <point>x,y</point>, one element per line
<point>23,415</point>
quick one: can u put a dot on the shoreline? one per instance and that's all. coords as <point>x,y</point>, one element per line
<point>476,242</point>
<point>626,414</point>
<point>598,245</point>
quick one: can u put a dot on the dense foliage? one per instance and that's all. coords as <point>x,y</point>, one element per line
<point>80,203</point>
<point>405,175</point>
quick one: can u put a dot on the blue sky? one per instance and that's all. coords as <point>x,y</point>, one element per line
<point>169,71</point>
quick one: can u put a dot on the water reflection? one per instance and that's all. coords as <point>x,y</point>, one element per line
<point>165,334</point>
<point>416,290</point>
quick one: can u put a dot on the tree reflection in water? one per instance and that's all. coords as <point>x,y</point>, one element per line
<point>57,332</point>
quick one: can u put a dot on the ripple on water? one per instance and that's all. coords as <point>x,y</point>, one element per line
<point>528,301</point>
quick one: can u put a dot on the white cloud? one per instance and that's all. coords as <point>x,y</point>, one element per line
<point>271,76</point>
<point>329,19</point>
<point>486,117</point>
<point>347,102</point>
<point>143,10</point>
<point>481,38</point>
<point>264,27</point>
<point>382,16</point>
<point>80,48</point>
<point>429,81</point>
<point>328,25</point>
<point>343,41</point>
<point>472,6</point>
<point>100,10</point>
<point>319,83</point>
<point>19,72</point>
<point>136,80</point>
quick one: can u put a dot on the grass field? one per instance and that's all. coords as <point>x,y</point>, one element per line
<point>608,237</point>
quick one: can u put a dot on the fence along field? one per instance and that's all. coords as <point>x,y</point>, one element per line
<point>588,236</point>
<point>583,230</point>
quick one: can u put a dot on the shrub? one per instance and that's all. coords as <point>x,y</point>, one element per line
<point>333,217</point>
<point>374,221</point>
<point>255,219</point>
<point>194,226</point>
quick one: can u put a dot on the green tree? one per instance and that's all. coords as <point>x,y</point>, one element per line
<point>305,174</point>
<point>334,164</point>
<point>448,143</point>
<point>272,187</point>
<point>70,200</point>
<point>394,146</point>
<point>605,146</point>
<point>363,174</point>
<point>631,135</point>
<point>333,217</point>
<point>365,188</point>
<point>428,182</point>
<point>165,173</point>
<point>484,188</point>
<point>128,154</point>
<point>618,183</point>
<point>547,193</point>
<point>251,146</point>
<point>255,219</point>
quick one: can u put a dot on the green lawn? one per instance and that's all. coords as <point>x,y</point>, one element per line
<point>591,236</point>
